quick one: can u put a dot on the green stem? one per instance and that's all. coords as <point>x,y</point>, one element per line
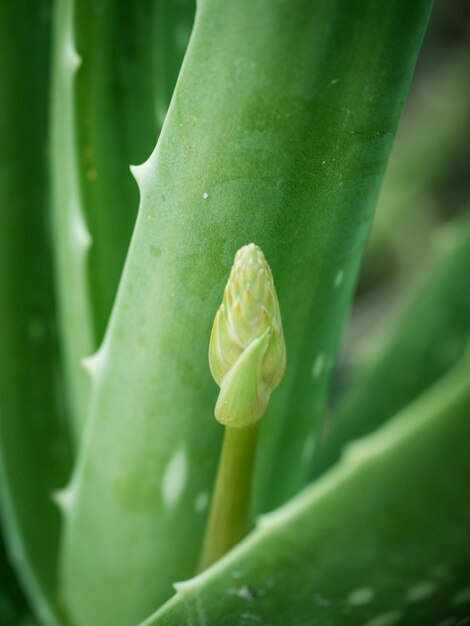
<point>228,518</point>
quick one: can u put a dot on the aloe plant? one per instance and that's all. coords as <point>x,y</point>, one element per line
<point>274,130</point>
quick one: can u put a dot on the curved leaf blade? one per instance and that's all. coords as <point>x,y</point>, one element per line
<point>419,346</point>
<point>380,539</point>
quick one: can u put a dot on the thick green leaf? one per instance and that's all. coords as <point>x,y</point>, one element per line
<point>33,445</point>
<point>278,133</point>
<point>380,540</point>
<point>418,346</point>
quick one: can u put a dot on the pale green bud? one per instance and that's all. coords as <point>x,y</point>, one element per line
<point>247,354</point>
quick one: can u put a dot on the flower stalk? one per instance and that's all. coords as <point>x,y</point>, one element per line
<point>247,359</point>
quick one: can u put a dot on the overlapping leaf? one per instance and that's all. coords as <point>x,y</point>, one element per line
<point>34,459</point>
<point>380,540</point>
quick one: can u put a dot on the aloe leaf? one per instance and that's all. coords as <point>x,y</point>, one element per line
<point>380,540</point>
<point>278,135</point>
<point>122,89</point>
<point>70,233</point>
<point>414,350</point>
<point>34,458</point>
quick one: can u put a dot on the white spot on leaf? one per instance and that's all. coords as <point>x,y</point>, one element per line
<point>421,591</point>
<point>174,478</point>
<point>361,596</point>
<point>386,619</point>
<point>250,618</point>
<point>308,448</point>
<point>201,502</point>
<point>339,278</point>
<point>318,366</point>
<point>205,195</point>
<point>245,592</point>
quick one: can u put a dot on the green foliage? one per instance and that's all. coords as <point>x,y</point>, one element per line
<point>420,345</point>
<point>278,133</point>
<point>122,92</point>
<point>34,456</point>
<point>258,139</point>
<point>363,545</point>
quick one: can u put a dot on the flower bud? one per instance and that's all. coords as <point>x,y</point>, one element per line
<point>247,355</point>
